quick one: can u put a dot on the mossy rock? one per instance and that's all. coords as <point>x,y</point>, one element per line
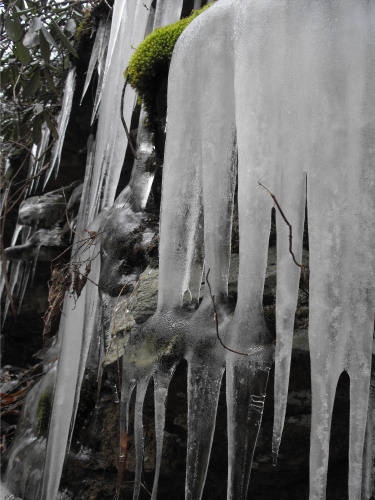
<point>149,65</point>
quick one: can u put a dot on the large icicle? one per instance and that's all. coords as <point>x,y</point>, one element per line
<point>63,399</point>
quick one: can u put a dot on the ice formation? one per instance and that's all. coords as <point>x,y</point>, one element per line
<point>299,77</point>
<point>279,93</point>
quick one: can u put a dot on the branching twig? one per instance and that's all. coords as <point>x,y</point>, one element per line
<point>123,121</point>
<point>290,230</point>
<point>217,321</point>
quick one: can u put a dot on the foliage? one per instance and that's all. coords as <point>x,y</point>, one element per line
<point>37,42</point>
<point>149,64</point>
<point>43,412</point>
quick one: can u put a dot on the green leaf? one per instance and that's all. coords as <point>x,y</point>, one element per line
<point>48,37</point>
<point>13,29</point>
<point>37,129</point>
<point>50,124</point>
<point>64,40</point>
<point>33,84</point>
<point>44,47</point>
<point>22,53</point>
<point>50,83</point>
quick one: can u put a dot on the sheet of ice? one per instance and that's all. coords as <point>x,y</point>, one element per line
<point>62,120</point>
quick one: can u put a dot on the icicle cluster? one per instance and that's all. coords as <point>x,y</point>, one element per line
<point>299,77</point>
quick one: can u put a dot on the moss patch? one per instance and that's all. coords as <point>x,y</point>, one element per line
<point>149,64</point>
<point>43,413</point>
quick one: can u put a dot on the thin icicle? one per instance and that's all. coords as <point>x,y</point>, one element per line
<point>63,119</point>
<point>97,53</point>
<point>162,377</point>
<point>13,280</point>
<point>41,157</point>
<point>118,11</point>
<point>138,432</point>
<point>32,168</point>
<point>27,271</point>
<point>127,387</point>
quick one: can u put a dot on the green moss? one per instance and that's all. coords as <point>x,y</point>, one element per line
<point>84,28</point>
<point>149,64</point>
<point>44,412</point>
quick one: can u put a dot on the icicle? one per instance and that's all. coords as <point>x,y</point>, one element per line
<point>138,432</point>
<point>27,271</point>
<point>162,377</point>
<point>13,280</point>
<point>204,381</point>
<point>32,168</point>
<point>97,53</point>
<point>90,255</point>
<point>142,176</point>
<point>167,12</point>
<point>246,386</point>
<point>42,148</point>
<point>118,16</point>
<point>63,119</point>
<point>368,477</point>
<point>127,387</point>
<point>63,399</point>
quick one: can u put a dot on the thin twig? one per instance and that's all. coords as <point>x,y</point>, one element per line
<point>217,321</point>
<point>290,230</point>
<point>123,121</point>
